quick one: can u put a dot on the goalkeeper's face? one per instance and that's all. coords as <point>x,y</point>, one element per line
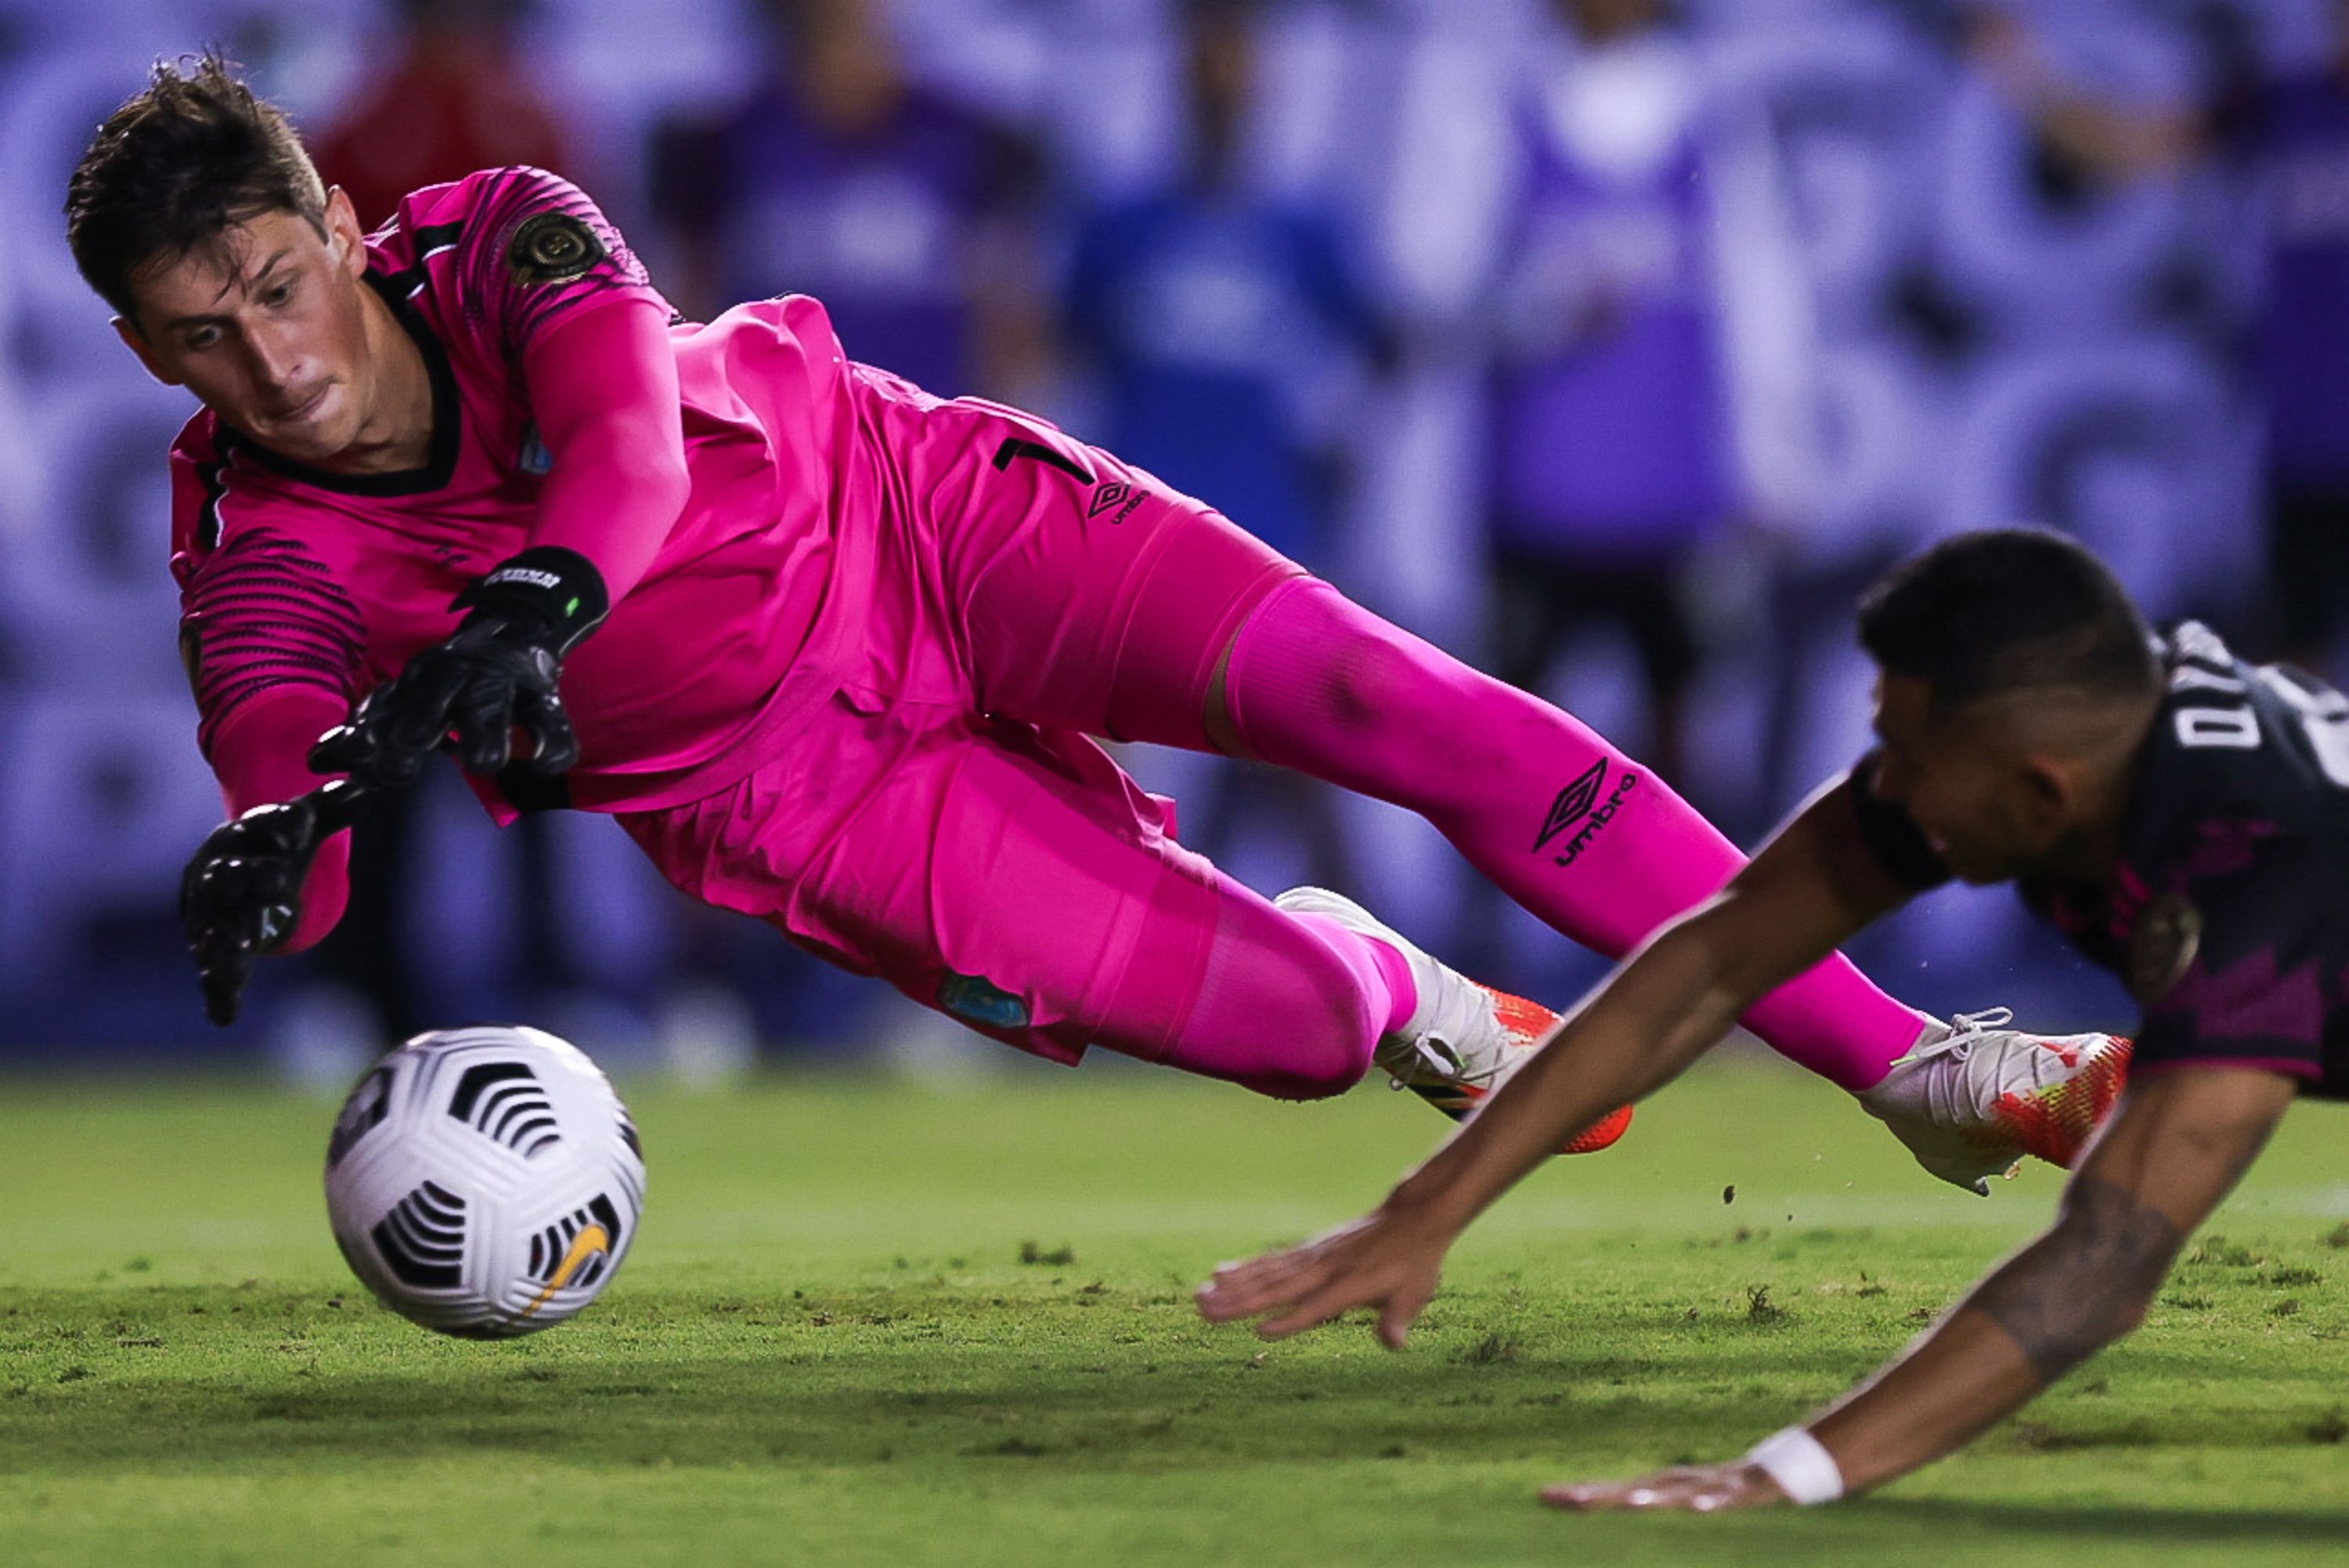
<point>268,327</point>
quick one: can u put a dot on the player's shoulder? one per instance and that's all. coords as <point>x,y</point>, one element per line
<point>2261,745</point>
<point>479,211</point>
<point>496,199</point>
<point>484,193</point>
<point>495,254</point>
<point>2238,728</point>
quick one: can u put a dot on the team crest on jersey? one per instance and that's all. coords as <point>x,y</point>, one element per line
<point>2162,948</point>
<point>551,247</point>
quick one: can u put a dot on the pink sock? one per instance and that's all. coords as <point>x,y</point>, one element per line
<point>1598,847</point>
<point>1290,1004</point>
<point>1393,970</point>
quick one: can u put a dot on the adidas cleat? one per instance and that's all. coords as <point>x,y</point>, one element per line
<point>1970,1101</point>
<point>1463,1039</point>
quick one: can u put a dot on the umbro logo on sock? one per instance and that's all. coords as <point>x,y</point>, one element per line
<point>1573,802</point>
<point>1579,802</point>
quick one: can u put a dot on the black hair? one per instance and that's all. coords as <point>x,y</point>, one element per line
<point>172,170</point>
<point>2009,610</point>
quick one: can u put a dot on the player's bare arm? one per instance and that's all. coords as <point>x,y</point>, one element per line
<point>1814,886</point>
<point>2176,1147</point>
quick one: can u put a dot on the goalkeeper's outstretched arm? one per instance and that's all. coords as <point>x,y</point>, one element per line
<point>273,878</point>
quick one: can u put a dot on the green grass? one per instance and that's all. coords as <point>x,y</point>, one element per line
<point>827,1350</point>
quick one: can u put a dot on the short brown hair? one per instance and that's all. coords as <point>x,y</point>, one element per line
<point>173,169</point>
<point>2008,610</point>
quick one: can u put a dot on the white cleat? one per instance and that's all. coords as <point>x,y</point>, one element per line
<point>1974,1097</point>
<point>1463,1039</point>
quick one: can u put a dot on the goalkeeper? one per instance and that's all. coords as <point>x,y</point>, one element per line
<point>833,649</point>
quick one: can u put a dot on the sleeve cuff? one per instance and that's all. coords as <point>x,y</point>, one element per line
<point>260,752</point>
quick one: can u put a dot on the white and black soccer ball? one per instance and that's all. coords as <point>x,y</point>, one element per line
<point>485,1181</point>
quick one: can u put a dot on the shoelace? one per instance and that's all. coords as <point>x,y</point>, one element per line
<point>1964,1090</point>
<point>1432,1058</point>
<point>1949,1097</point>
<point>1964,1026</point>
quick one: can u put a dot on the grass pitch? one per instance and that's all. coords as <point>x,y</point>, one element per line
<point>869,1323</point>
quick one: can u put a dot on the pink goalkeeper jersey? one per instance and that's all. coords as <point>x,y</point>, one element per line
<point>294,580</point>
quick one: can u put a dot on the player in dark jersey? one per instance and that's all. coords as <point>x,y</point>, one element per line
<point>2182,816</point>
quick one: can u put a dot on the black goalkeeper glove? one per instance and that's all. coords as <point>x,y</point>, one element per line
<point>241,897</point>
<point>469,693</point>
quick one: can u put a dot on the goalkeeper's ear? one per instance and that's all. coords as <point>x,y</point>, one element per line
<point>346,236</point>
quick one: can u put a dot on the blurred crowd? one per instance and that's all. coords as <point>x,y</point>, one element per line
<point>1614,345</point>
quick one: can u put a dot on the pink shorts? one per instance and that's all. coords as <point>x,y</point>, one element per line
<point>1026,574</point>
<point>945,822</point>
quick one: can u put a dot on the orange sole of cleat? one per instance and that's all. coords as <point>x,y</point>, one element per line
<point>2056,1125</point>
<point>1530,1021</point>
<point>1600,1134</point>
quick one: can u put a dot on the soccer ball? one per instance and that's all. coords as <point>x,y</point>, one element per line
<point>485,1181</point>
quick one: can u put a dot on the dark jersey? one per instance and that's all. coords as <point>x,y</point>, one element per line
<point>2228,916</point>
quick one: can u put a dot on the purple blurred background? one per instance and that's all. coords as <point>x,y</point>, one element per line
<point>1614,345</point>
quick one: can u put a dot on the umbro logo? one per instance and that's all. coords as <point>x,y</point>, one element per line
<point>1573,803</point>
<point>1579,806</point>
<point>1114,494</point>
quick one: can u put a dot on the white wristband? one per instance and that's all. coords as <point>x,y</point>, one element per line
<point>1801,1465</point>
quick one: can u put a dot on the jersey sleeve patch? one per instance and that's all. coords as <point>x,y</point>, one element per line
<point>2167,939</point>
<point>553,248</point>
<point>1892,835</point>
<point>535,247</point>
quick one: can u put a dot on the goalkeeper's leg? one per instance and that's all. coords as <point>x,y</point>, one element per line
<point>1054,913</point>
<point>1019,882</point>
<point>1175,626</point>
